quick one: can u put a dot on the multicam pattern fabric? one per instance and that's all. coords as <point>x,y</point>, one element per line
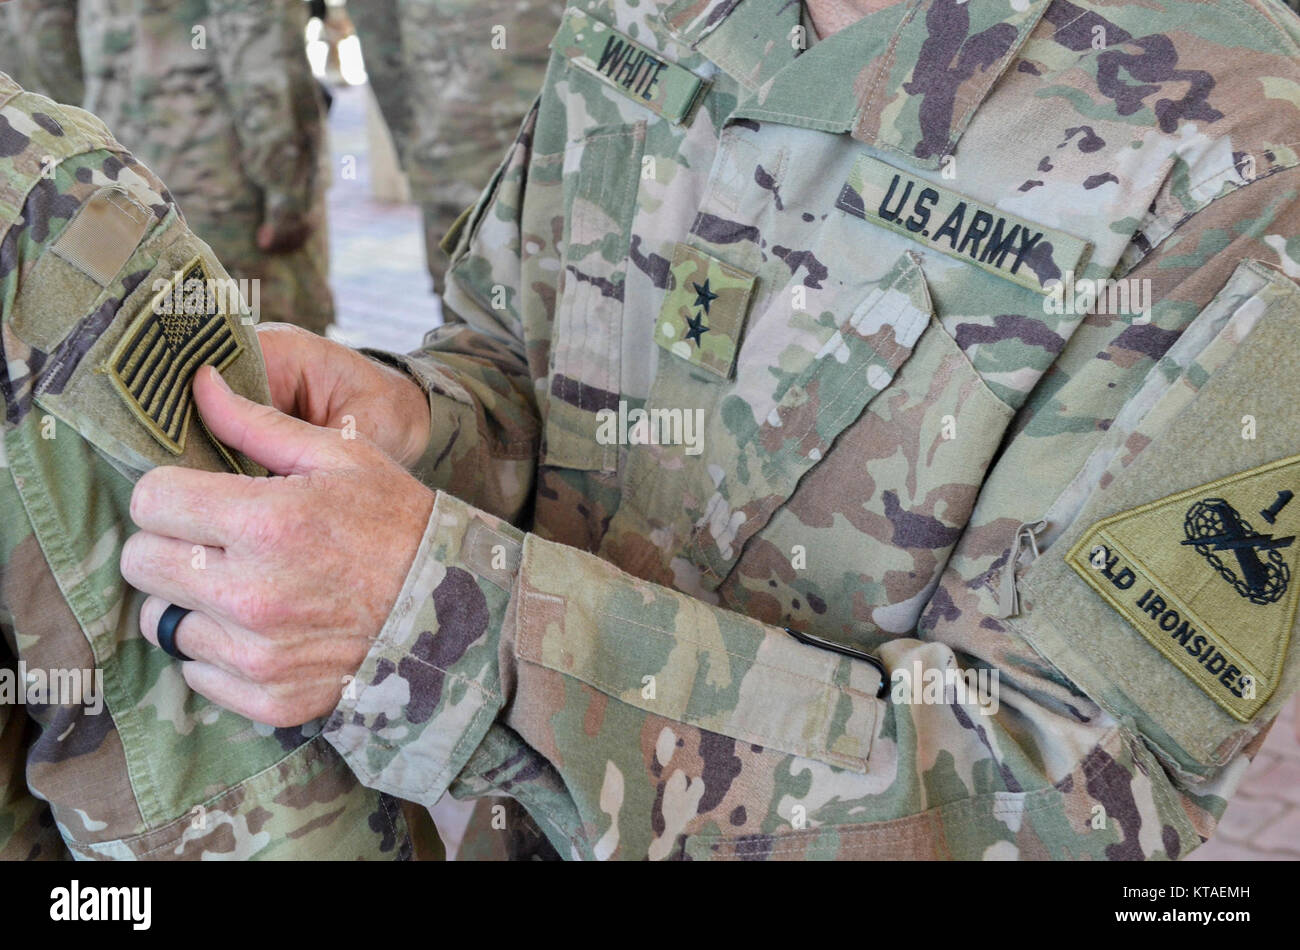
<point>894,419</point>
<point>218,98</point>
<point>39,48</point>
<point>453,79</point>
<point>144,767</point>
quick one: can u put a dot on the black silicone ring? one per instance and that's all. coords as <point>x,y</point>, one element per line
<point>167,624</point>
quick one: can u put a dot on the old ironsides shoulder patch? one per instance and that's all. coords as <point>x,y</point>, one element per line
<point>184,327</point>
<point>1207,576</point>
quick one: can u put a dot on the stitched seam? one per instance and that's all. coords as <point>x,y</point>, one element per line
<point>40,511</point>
<point>680,638</point>
<point>487,693</point>
<point>844,392</point>
<point>1168,220</point>
<point>980,93</point>
<point>519,791</point>
<point>1069,23</point>
<point>614,691</point>
<point>886,64</point>
<point>1024,803</point>
<point>445,776</point>
<point>1166,391</point>
<point>388,813</point>
<point>784,745</point>
<point>297,770</point>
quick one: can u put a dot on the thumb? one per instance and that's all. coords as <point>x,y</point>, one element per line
<point>285,445</point>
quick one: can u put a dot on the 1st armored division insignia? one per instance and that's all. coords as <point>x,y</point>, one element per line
<point>184,327</point>
<point>1206,577</point>
<point>1214,527</point>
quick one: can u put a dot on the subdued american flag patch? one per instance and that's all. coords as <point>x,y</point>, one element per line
<point>184,327</point>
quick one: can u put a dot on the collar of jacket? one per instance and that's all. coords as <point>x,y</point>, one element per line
<point>906,79</point>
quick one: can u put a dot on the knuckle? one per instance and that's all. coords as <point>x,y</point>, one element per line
<point>259,529</point>
<point>139,562</point>
<point>150,614</point>
<point>129,561</point>
<point>148,492</point>
<point>249,606</point>
<point>259,607</point>
<point>260,664</point>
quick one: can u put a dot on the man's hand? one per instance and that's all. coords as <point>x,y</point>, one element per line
<point>322,382</point>
<point>286,233</point>
<point>298,571</point>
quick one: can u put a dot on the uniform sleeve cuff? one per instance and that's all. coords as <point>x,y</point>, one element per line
<point>452,422</point>
<point>430,687</point>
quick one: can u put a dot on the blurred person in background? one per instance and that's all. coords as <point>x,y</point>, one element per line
<point>218,98</point>
<point>38,47</point>
<point>453,80</point>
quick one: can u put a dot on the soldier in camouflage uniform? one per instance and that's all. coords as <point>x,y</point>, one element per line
<point>217,96</point>
<point>39,48</point>
<point>87,235</point>
<point>769,353</point>
<point>453,80</point>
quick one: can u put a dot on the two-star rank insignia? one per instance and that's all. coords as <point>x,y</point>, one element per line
<point>184,327</point>
<point>1205,576</point>
<point>695,328</point>
<point>704,310</point>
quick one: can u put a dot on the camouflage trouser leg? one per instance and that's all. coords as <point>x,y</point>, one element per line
<point>380,33</point>
<point>292,288</point>
<point>473,70</point>
<point>40,48</point>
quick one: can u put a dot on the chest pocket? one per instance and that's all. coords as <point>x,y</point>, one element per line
<point>601,177</point>
<point>861,381</point>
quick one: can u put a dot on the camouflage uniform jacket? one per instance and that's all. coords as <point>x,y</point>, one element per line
<point>209,89</point>
<point>125,762</point>
<point>453,79</point>
<point>845,258</point>
<point>217,96</point>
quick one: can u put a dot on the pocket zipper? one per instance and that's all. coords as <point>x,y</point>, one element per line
<point>1009,599</point>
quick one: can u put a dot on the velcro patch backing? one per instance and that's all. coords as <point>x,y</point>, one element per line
<point>104,235</point>
<point>704,313</point>
<point>1002,244</point>
<point>1207,577</point>
<point>620,61</point>
<point>184,327</point>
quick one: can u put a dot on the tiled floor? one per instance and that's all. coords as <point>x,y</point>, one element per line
<point>382,296</point>
<point>382,299</point>
<point>1263,821</point>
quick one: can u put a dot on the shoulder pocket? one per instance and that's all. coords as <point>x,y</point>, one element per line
<point>123,383</point>
<point>1168,592</point>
